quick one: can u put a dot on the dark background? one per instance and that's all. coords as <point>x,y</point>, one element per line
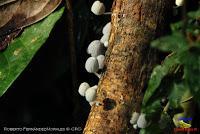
<point>44,94</point>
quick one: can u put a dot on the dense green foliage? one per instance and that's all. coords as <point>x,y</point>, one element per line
<point>20,52</point>
<point>178,77</point>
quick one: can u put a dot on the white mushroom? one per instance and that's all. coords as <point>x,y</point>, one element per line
<point>91,65</point>
<point>92,103</point>
<point>98,8</point>
<point>82,88</point>
<point>106,34</point>
<point>179,3</point>
<point>134,117</point>
<point>135,126</point>
<point>141,122</point>
<point>107,28</point>
<point>100,59</point>
<point>95,48</point>
<point>104,38</point>
<point>90,93</point>
<point>96,103</point>
<point>105,44</point>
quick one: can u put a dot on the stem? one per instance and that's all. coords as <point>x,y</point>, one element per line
<point>72,51</point>
<point>107,13</point>
<point>166,107</point>
<point>98,75</point>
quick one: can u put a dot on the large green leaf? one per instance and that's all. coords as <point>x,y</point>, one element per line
<point>178,93</point>
<point>152,109</point>
<point>159,72</point>
<point>20,52</point>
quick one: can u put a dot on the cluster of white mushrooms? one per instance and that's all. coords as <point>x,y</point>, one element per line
<point>96,50</point>
<point>138,120</point>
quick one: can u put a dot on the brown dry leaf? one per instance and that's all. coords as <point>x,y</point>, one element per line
<point>18,14</point>
<point>7,11</point>
<point>3,2</point>
<point>23,13</point>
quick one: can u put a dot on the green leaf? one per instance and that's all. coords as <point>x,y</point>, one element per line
<point>194,14</point>
<point>175,42</point>
<point>20,52</point>
<point>177,94</point>
<point>152,109</point>
<point>176,26</point>
<point>152,129</point>
<point>159,72</point>
<point>165,121</point>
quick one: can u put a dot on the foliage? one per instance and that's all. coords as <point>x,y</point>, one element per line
<point>183,65</point>
<point>20,52</point>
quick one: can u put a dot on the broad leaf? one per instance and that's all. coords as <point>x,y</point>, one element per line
<point>178,93</point>
<point>7,11</point>
<point>159,72</point>
<point>152,109</point>
<point>20,52</point>
<point>3,2</point>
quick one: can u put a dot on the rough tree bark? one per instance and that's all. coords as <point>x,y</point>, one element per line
<point>129,62</point>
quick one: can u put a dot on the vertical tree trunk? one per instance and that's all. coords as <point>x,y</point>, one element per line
<point>129,62</point>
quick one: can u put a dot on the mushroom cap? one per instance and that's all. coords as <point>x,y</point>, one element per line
<point>100,59</point>
<point>107,28</point>
<point>98,8</point>
<point>95,48</point>
<point>106,44</point>
<point>135,126</point>
<point>92,103</point>
<point>82,88</point>
<point>104,38</point>
<point>142,122</point>
<point>90,94</point>
<point>179,2</point>
<point>91,65</point>
<point>134,117</point>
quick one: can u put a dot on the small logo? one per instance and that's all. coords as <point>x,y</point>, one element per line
<point>183,124</point>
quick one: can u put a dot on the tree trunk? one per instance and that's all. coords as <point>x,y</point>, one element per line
<point>129,62</point>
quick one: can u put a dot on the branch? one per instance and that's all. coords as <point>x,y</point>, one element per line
<point>129,62</point>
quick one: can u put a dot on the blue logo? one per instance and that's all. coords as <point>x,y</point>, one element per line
<point>185,119</point>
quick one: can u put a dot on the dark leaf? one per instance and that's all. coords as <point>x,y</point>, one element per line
<point>178,93</point>
<point>7,12</point>
<point>3,2</point>
<point>159,72</point>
